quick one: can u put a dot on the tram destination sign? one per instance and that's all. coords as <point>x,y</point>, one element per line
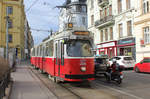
<point>81,33</point>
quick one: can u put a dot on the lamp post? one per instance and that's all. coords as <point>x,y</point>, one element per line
<point>7,20</point>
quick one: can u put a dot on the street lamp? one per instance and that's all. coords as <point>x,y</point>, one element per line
<point>7,20</point>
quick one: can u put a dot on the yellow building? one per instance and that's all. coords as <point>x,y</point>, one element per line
<point>142,29</point>
<point>16,25</point>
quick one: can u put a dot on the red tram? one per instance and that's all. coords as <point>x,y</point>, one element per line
<point>66,56</point>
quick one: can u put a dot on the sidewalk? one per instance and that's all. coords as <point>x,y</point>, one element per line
<point>27,85</point>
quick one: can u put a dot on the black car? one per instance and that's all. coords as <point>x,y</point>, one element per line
<point>101,64</point>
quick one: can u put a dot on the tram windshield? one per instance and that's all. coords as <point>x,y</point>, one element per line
<point>79,48</point>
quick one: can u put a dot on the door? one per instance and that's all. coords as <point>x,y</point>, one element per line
<point>59,53</point>
<point>146,65</point>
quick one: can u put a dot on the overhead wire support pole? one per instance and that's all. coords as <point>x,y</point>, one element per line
<point>7,20</point>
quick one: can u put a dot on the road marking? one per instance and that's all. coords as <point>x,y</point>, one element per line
<point>123,92</point>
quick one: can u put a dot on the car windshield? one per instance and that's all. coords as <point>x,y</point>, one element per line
<point>128,58</point>
<point>101,60</point>
<point>147,60</point>
<point>79,48</point>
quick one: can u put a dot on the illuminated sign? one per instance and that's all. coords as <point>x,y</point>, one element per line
<point>70,25</point>
<point>81,33</point>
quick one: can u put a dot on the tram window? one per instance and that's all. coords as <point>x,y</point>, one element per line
<point>51,49</point>
<point>37,51</point>
<point>62,54</point>
<point>79,49</point>
<point>40,50</point>
<point>46,50</point>
<point>56,52</point>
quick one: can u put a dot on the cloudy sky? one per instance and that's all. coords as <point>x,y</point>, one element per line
<point>42,15</point>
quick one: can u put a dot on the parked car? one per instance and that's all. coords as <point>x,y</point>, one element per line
<point>125,61</point>
<point>143,66</point>
<point>101,64</point>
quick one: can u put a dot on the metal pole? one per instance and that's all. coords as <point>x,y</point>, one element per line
<point>7,19</point>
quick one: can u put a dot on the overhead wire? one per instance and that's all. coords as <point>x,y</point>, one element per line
<point>32,5</point>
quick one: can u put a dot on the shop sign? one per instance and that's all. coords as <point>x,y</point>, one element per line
<point>106,45</point>
<point>126,41</point>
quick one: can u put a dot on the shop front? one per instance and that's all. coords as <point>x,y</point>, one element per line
<point>126,47</point>
<point>107,48</point>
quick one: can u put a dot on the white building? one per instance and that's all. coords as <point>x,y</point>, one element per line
<point>142,29</point>
<point>111,22</point>
<point>73,12</point>
<point>124,11</point>
<point>101,23</point>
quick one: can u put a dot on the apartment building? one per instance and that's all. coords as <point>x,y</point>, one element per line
<point>142,29</point>
<point>16,23</point>
<point>29,43</point>
<point>101,22</point>
<point>124,31</point>
<point>111,21</point>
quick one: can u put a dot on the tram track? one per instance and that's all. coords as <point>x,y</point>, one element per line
<point>72,94</point>
<point>115,88</point>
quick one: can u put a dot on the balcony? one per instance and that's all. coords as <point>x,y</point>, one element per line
<point>106,21</point>
<point>103,3</point>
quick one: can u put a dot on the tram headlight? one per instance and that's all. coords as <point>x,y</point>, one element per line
<point>83,68</point>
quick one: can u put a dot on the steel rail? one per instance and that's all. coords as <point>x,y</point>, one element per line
<point>61,85</point>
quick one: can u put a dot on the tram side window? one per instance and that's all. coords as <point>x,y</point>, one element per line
<point>62,54</point>
<point>56,52</point>
<point>33,52</point>
<point>51,49</point>
<point>36,51</point>
<point>46,52</point>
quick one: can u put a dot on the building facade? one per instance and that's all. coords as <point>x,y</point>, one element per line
<point>29,43</point>
<point>111,21</point>
<point>16,23</point>
<point>142,29</point>
<point>101,22</point>
<point>124,11</point>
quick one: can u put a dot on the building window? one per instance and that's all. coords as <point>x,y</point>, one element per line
<point>83,20</point>
<point>101,14</point>
<point>78,8</point>
<point>145,6</point>
<point>110,10</point>
<point>10,23</point>
<point>10,10</point>
<point>101,36</point>
<point>129,28</point>
<point>10,38</point>
<point>92,19</point>
<point>128,4</point>
<point>105,12</point>
<point>111,33</point>
<point>84,9</point>
<point>120,30</point>
<point>73,20</point>
<point>146,35</point>
<point>106,34</point>
<point>92,4</point>
<point>119,6</point>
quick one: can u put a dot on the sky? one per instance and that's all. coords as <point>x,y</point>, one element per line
<point>42,15</point>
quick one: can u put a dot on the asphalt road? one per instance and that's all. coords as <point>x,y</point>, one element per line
<point>134,86</point>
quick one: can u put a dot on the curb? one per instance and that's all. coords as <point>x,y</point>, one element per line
<point>8,90</point>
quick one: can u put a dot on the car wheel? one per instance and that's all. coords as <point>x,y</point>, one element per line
<point>137,70</point>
